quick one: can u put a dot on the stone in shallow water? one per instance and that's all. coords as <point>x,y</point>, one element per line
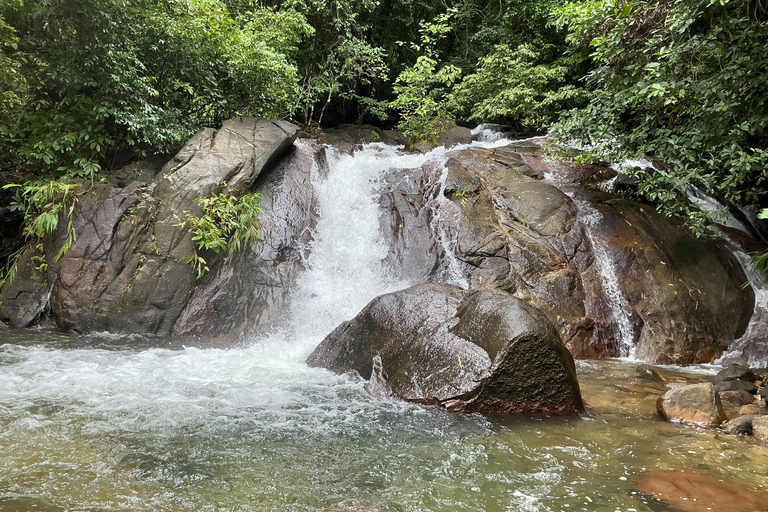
<point>760,429</point>
<point>734,372</point>
<point>740,425</point>
<point>697,492</point>
<point>485,351</point>
<point>736,397</point>
<point>736,385</point>
<point>696,404</point>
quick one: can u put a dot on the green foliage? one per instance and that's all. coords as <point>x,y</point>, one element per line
<point>43,204</point>
<point>422,89</point>
<point>516,87</point>
<point>338,62</point>
<point>228,223</point>
<point>462,196</point>
<point>109,74</point>
<point>680,80</point>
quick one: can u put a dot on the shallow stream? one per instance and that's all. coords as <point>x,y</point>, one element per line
<point>128,423</point>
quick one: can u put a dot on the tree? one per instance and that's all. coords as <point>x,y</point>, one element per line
<point>683,81</point>
<point>146,74</point>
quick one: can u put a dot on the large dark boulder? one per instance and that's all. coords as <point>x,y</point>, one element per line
<point>610,273</point>
<point>469,351</point>
<point>126,272</point>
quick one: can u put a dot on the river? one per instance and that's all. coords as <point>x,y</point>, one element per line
<point>106,422</point>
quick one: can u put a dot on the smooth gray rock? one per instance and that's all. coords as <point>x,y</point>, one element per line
<point>483,351</point>
<point>253,292</point>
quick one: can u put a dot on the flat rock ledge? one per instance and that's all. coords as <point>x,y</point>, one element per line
<point>467,351</point>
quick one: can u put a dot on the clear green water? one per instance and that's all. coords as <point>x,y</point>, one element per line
<point>129,424</point>
<point>110,423</point>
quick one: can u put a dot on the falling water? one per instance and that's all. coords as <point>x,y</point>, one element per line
<point>445,226</point>
<point>751,346</point>
<point>126,423</point>
<point>624,330</point>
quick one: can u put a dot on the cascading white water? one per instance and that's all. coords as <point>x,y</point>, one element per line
<point>617,302</point>
<point>109,422</point>
<point>345,264</point>
<point>445,222</point>
<point>757,280</point>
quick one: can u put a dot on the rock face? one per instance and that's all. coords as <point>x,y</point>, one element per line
<point>252,293</point>
<point>611,274</point>
<point>482,351</point>
<point>696,404</point>
<point>23,300</point>
<point>126,272</point>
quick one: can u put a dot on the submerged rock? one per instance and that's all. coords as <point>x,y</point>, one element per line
<point>483,351</point>
<point>697,404</point>
<point>643,372</point>
<point>696,492</point>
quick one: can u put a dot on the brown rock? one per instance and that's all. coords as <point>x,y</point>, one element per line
<point>484,351</point>
<point>696,404</point>
<point>740,425</point>
<point>736,397</point>
<point>760,429</point>
<point>754,408</point>
<point>697,492</point>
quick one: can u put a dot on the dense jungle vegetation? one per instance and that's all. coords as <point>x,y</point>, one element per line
<point>89,84</point>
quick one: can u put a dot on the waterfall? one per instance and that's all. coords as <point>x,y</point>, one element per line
<point>345,269</point>
<point>750,346</point>
<point>623,328</point>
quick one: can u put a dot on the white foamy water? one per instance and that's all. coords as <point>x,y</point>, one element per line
<point>617,302</point>
<point>752,336</point>
<point>345,270</point>
<point>125,423</point>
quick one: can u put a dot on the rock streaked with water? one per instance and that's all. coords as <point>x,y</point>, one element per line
<point>483,351</point>
<point>616,278</point>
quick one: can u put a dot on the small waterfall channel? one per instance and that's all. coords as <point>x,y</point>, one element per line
<point>624,330</point>
<point>125,423</point>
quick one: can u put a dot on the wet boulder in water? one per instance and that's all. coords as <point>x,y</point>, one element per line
<point>610,273</point>
<point>697,404</point>
<point>468,351</point>
<point>734,372</point>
